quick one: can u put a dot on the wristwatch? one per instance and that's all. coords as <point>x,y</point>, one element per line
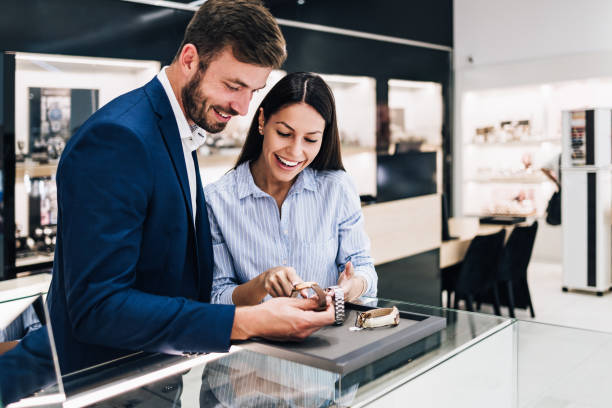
<point>378,318</point>
<point>337,295</point>
<point>316,288</point>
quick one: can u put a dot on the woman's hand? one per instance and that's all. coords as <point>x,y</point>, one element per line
<point>279,281</point>
<point>354,286</point>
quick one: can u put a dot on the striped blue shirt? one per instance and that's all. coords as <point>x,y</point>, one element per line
<point>319,229</point>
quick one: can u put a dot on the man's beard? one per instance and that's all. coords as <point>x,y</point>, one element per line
<point>195,105</point>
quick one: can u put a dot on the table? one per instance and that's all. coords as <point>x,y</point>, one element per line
<point>466,228</point>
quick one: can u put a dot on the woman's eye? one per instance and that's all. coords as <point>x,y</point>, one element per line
<point>310,140</point>
<point>283,134</point>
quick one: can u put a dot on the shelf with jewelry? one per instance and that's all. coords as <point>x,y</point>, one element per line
<point>48,98</point>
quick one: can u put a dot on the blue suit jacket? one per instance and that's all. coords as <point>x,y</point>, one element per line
<point>131,272</point>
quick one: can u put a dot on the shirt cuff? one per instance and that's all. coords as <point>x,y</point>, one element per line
<point>371,283</point>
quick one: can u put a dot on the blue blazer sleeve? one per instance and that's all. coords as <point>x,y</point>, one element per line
<point>106,185</point>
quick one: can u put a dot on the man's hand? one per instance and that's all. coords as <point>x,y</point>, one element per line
<point>281,319</point>
<point>354,286</point>
<point>279,281</point>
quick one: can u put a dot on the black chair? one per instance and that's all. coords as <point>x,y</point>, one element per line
<point>477,274</point>
<point>513,269</point>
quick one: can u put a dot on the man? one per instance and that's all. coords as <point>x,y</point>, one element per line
<point>133,263</point>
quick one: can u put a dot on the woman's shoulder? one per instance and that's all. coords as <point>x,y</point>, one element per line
<point>334,179</point>
<point>331,176</point>
<point>227,183</point>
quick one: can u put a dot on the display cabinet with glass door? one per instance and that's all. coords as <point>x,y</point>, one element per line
<point>48,98</point>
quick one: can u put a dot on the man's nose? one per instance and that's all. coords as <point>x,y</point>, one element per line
<point>241,103</point>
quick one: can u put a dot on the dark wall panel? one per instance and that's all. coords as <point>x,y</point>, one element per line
<point>100,28</point>
<point>414,279</point>
<point>339,54</point>
<point>428,21</point>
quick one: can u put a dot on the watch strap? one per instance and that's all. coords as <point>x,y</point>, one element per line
<point>337,294</point>
<point>378,318</point>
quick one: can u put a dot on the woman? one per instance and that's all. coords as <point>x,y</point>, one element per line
<point>288,212</point>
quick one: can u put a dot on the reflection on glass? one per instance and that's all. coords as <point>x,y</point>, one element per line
<point>29,374</point>
<point>252,379</point>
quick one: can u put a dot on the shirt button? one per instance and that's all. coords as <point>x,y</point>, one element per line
<point>284,262</point>
<point>285,232</point>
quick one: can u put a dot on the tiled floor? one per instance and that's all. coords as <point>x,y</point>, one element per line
<point>560,367</point>
<point>574,309</point>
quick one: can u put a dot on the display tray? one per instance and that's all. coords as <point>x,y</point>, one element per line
<point>342,350</point>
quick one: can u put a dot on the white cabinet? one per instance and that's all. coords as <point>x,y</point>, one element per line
<point>586,200</point>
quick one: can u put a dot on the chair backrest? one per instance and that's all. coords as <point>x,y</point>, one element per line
<point>517,253</point>
<point>480,266</point>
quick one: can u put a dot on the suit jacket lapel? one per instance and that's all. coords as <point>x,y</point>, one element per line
<point>170,133</point>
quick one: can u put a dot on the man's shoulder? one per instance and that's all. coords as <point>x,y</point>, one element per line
<point>131,110</point>
<point>130,114</point>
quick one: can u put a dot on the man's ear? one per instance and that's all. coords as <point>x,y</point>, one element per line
<point>189,60</point>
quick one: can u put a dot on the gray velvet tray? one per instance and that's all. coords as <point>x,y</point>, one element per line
<point>338,349</point>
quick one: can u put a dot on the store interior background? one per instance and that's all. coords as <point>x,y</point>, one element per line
<point>496,60</point>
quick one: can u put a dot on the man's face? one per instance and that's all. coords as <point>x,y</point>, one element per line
<point>225,89</point>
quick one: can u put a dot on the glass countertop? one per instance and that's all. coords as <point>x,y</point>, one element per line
<point>246,378</point>
<point>477,360</point>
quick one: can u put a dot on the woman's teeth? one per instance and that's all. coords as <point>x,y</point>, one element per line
<point>287,162</point>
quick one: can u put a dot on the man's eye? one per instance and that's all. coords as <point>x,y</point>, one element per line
<point>283,134</point>
<point>232,88</point>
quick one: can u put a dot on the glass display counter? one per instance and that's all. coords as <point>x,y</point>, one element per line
<point>461,353</point>
<point>477,360</point>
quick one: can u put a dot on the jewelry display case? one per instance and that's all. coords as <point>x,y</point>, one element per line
<point>46,98</point>
<point>29,369</point>
<point>463,351</point>
<point>476,361</point>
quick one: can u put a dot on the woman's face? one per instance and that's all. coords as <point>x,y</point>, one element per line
<point>292,140</point>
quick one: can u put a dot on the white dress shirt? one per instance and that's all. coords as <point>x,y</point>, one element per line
<point>190,138</point>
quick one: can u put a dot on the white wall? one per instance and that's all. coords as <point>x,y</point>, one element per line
<point>500,31</point>
<point>507,43</point>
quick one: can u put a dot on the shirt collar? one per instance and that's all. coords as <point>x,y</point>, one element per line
<point>194,136</point>
<point>246,185</point>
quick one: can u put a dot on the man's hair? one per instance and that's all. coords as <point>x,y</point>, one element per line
<point>244,25</point>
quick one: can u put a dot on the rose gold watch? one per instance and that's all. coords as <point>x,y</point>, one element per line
<point>316,288</point>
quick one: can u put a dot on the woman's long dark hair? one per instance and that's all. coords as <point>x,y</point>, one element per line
<point>299,87</point>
